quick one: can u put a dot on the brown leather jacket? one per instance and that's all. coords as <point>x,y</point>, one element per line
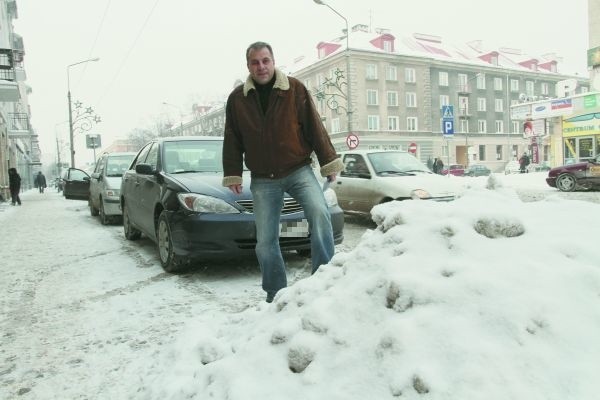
<point>279,141</point>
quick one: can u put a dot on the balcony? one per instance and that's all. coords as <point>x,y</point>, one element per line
<point>18,126</point>
<point>464,88</point>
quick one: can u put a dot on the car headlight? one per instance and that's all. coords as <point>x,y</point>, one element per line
<point>419,194</point>
<point>112,193</point>
<point>205,204</point>
<point>330,197</point>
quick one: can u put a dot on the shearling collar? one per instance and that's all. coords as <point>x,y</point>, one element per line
<point>281,82</point>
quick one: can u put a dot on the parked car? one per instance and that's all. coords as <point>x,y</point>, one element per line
<point>373,177</point>
<point>105,185</point>
<point>173,194</point>
<point>477,170</point>
<point>579,176</point>
<point>454,169</point>
<point>76,184</point>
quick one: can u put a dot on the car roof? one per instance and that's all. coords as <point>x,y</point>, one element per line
<point>370,151</point>
<point>184,138</point>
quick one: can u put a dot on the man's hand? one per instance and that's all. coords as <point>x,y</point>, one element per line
<point>237,189</point>
<point>332,177</point>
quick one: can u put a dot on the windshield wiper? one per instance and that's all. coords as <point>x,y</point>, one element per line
<point>393,173</point>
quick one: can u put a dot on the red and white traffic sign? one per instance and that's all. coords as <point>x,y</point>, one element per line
<point>412,148</point>
<point>352,141</point>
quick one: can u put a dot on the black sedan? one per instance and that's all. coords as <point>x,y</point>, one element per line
<point>173,195</point>
<point>584,175</point>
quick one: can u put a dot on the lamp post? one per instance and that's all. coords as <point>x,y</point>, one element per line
<point>71,143</point>
<point>180,116</point>
<point>348,86</point>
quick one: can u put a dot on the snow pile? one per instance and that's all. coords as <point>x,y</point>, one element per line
<point>483,297</point>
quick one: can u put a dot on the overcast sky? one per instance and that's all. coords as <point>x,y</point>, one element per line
<point>192,51</point>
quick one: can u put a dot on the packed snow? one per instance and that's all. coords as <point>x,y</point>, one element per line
<point>494,295</point>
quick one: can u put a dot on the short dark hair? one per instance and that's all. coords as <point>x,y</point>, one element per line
<point>258,46</point>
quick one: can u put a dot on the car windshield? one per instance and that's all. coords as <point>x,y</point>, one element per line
<point>193,156</point>
<point>391,162</point>
<point>118,164</point>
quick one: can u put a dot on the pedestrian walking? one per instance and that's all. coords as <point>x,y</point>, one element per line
<point>272,124</point>
<point>40,182</point>
<point>14,184</point>
<point>438,165</point>
<point>523,163</point>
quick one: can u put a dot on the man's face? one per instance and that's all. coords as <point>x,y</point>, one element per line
<point>261,65</point>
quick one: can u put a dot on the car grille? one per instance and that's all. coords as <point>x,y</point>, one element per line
<point>290,206</point>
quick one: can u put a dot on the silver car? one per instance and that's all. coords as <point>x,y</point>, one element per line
<point>105,185</point>
<point>372,177</point>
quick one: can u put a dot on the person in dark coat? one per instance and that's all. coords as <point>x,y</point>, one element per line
<point>523,163</point>
<point>438,165</point>
<point>14,184</point>
<point>40,182</point>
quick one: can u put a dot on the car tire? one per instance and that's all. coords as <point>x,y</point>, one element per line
<point>130,232</point>
<point>93,210</point>
<point>170,261</point>
<point>566,183</point>
<point>104,219</point>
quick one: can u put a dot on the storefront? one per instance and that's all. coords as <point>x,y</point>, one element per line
<point>581,132</point>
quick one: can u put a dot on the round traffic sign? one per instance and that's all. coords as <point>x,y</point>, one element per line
<point>412,148</point>
<point>352,141</point>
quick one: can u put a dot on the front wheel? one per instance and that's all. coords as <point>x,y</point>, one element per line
<point>170,261</point>
<point>566,183</point>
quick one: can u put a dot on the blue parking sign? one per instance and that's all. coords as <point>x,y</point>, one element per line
<point>448,126</point>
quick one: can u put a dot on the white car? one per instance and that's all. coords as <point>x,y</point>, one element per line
<point>373,177</point>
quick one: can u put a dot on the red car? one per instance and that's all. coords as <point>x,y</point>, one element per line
<point>584,175</point>
<point>454,169</point>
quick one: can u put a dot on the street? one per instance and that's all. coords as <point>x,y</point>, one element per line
<point>76,296</point>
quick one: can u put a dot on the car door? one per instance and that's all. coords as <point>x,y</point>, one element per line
<point>76,184</point>
<point>148,193</point>
<point>354,187</point>
<point>130,187</point>
<point>95,182</point>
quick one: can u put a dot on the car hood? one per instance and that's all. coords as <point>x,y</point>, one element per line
<point>571,167</point>
<point>436,185</point>
<point>210,184</point>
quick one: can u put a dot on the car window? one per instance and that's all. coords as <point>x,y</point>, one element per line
<point>152,157</point>
<point>100,165</point>
<point>76,175</point>
<point>117,164</point>
<point>142,154</point>
<point>396,161</point>
<point>192,156</point>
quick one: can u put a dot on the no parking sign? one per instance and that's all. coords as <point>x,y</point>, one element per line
<point>352,141</point>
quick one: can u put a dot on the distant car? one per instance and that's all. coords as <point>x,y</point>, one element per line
<point>105,185</point>
<point>512,167</point>
<point>76,184</point>
<point>454,169</point>
<point>372,177</point>
<point>173,194</point>
<point>579,176</point>
<point>477,170</point>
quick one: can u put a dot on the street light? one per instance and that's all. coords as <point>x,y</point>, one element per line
<point>72,147</point>
<point>180,116</point>
<point>348,87</point>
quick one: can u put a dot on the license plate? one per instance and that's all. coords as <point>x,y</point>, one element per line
<point>293,228</point>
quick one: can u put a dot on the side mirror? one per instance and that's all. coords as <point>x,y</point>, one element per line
<point>144,169</point>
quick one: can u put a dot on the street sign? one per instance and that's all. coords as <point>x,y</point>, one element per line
<point>448,121</point>
<point>447,112</point>
<point>412,148</point>
<point>448,128</point>
<point>352,141</point>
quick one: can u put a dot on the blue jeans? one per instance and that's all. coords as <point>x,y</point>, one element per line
<point>303,186</point>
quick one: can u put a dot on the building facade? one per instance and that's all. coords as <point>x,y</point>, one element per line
<point>19,146</point>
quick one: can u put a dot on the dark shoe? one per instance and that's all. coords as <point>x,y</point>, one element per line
<point>270,297</point>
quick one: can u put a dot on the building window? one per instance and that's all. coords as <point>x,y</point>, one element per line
<point>481,104</point>
<point>514,85</point>
<point>335,125</point>
<point>529,88</point>
<point>410,75</point>
<point>482,126</point>
<point>499,152</point>
<point>393,123</point>
<point>387,46</point>
<point>544,88</point>
<point>444,100</point>
<point>481,81</point>
<point>584,89</point>
<point>499,105</point>
<point>391,73</point>
<point>392,98</point>
<point>443,77</point>
<point>481,152</point>
<point>412,124</point>
<point>411,99</point>
<point>373,122</point>
<point>497,83</point>
<point>464,126</point>
<point>371,71</point>
<point>372,97</point>
<point>515,127</point>
<point>499,126</point>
